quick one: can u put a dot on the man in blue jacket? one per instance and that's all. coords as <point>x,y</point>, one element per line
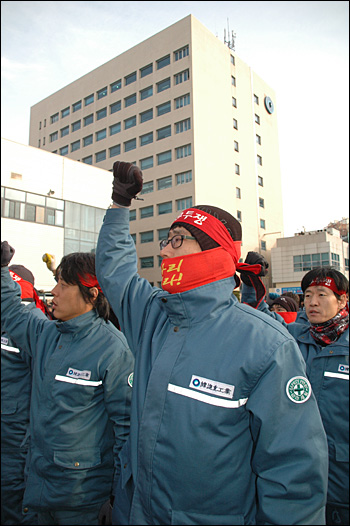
<point>225,428</point>
<point>323,338</point>
<point>80,406</point>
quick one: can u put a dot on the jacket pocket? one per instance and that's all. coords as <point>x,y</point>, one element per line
<point>78,459</point>
<point>188,517</point>
<point>342,452</point>
<point>8,407</point>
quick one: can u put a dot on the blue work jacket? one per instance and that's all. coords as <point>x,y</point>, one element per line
<point>214,439</point>
<point>327,368</point>
<point>80,407</point>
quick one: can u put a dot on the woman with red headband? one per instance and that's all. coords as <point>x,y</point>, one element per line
<point>80,405</point>
<point>224,425</point>
<point>322,334</point>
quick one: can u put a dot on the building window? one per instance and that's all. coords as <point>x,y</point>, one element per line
<point>129,79</point>
<point>180,102</point>
<point>163,234</point>
<point>101,114</point>
<point>164,182</point>
<point>262,224</point>
<point>239,215</point>
<point>146,163</point>
<point>235,124</point>
<point>183,151</point>
<point>54,118</point>
<point>164,157</point>
<point>89,100</point>
<point>76,106</point>
<point>130,122</point>
<point>100,156</point>
<point>64,131</point>
<point>233,80</point>
<point>116,85</point>
<point>232,59</point>
<point>162,62</point>
<point>64,150</point>
<point>234,102</point>
<point>238,193</point>
<point>32,207</point>
<point>183,126</point>
<point>88,159</point>
<point>147,187</point>
<point>145,93</point>
<point>237,171</point>
<point>116,107</point>
<point>236,146</point>
<point>132,215</point>
<point>256,99</point>
<point>147,262</point>
<point>183,177</point>
<point>87,140</point>
<point>101,134</point>
<point>146,70</point>
<point>335,261</point>
<point>115,128</point>
<point>165,208</point>
<point>65,112</point>
<point>147,237</point>
<point>182,76</point>
<point>82,224</point>
<point>114,150</point>
<point>89,119</point>
<point>76,126</point>
<point>162,133</point>
<point>147,138</point>
<point>257,119</point>
<point>133,238</point>
<point>261,202</point>
<point>259,159</point>
<point>53,136</point>
<point>146,115</point>
<point>75,146</point>
<point>308,262</point>
<point>163,85</point>
<point>260,181</point>
<point>129,101</point>
<point>163,108</point>
<point>263,245</point>
<point>102,93</point>
<point>181,53</point>
<point>130,145</point>
<point>258,139</point>
<point>146,211</point>
<point>182,204</point>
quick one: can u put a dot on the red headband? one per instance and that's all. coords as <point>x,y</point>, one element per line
<point>90,281</point>
<point>326,282</point>
<point>214,228</point>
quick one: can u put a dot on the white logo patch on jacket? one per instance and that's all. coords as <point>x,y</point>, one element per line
<point>75,373</point>
<point>211,386</point>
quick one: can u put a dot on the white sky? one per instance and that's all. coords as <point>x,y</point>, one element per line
<point>301,49</point>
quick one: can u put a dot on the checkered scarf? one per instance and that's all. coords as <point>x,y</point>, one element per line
<point>329,331</point>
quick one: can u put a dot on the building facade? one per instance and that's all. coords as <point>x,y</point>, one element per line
<point>198,121</point>
<point>294,256</point>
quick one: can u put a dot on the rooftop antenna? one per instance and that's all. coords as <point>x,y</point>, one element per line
<point>230,42</point>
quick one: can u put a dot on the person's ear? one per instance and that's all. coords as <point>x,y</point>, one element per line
<point>342,301</point>
<point>94,293</point>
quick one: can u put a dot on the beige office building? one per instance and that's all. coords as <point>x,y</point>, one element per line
<point>197,120</point>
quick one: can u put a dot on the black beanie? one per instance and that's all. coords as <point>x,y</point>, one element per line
<point>287,303</point>
<point>23,273</point>
<point>206,242</point>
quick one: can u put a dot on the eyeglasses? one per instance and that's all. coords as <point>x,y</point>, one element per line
<point>176,241</point>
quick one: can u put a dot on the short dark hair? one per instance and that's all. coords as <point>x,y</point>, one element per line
<point>79,264</point>
<point>326,272</point>
<point>292,295</point>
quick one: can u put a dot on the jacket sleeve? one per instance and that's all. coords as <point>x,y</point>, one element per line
<point>290,456</point>
<point>116,270</point>
<point>117,395</point>
<point>249,297</point>
<point>23,325</point>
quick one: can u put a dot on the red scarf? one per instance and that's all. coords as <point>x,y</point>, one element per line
<point>329,331</point>
<point>194,270</point>
<point>289,317</point>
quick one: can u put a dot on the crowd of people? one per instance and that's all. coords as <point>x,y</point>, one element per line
<point>191,407</point>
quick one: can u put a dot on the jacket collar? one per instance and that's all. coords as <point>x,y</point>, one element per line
<point>79,323</point>
<point>195,305</point>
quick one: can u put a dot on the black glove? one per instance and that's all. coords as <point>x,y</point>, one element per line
<point>7,253</point>
<point>105,514</point>
<point>127,183</point>
<point>254,258</point>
